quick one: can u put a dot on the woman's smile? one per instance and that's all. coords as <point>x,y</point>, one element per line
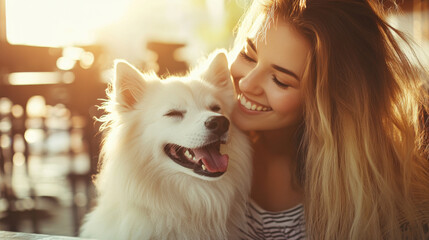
<point>252,106</point>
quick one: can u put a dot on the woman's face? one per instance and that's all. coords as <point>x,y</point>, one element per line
<point>267,78</point>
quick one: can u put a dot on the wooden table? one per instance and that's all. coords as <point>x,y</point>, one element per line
<point>5,235</point>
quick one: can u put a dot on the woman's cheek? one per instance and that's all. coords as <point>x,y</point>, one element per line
<point>289,103</point>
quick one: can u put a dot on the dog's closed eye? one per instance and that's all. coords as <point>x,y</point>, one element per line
<point>175,113</point>
<point>215,108</point>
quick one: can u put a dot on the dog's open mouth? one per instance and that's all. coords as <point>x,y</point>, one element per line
<point>205,160</point>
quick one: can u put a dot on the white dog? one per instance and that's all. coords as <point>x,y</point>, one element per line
<point>173,166</point>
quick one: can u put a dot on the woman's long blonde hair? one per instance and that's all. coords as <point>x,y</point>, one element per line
<point>365,167</point>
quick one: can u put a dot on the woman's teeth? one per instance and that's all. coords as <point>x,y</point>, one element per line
<point>251,106</point>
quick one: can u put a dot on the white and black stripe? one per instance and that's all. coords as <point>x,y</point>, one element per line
<point>264,225</point>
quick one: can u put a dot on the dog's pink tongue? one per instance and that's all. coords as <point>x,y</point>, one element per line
<point>212,158</point>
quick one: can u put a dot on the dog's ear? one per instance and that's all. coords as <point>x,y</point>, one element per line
<point>218,71</point>
<point>129,83</point>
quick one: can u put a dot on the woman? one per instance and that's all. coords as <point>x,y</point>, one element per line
<point>334,108</point>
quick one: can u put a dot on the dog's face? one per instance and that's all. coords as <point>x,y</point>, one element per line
<point>182,121</point>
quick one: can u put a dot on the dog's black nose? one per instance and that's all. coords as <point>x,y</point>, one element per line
<point>217,124</point>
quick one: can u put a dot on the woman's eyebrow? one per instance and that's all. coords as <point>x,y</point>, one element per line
<point>250,43</point>
<point>278,68</point>
<point>286,71</point>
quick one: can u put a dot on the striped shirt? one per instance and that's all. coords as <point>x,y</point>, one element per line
<point>262,224</point>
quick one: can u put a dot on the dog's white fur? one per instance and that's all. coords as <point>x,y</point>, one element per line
<point>143,194</point>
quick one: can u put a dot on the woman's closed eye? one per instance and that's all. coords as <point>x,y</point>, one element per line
<point>246,57</point>
<point>279,83</point>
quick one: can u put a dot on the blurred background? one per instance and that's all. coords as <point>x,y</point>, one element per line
<point>56,58</point>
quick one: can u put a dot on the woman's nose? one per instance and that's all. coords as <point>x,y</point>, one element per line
<point>252,82</point>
